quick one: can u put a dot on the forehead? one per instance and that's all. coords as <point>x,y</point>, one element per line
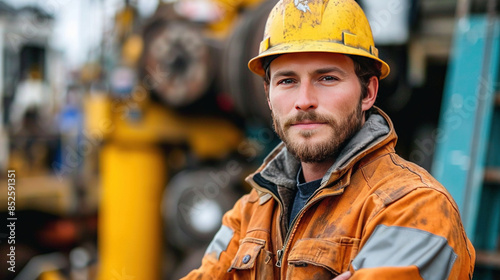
<point>308,61</point>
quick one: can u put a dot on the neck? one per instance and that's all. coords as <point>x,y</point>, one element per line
<point>315,170</point>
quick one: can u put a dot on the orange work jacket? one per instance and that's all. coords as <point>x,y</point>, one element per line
<point>375,214</point>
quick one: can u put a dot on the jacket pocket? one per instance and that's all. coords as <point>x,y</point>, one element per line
<point>252,260</point>
<point>324,258</point>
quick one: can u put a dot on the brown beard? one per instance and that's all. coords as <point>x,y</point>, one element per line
<point>342,133</point>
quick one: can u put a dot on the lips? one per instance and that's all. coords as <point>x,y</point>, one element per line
<point>307,124</point>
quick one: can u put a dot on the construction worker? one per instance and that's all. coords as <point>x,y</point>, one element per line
<point>334,200</point>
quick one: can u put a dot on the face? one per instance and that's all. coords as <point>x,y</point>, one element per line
<point>316,103</point>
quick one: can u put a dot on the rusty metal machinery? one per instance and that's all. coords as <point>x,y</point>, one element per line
<point>180,56</point>
<point>246,89</point>
<point>177,60</point>
<point>160,114</point>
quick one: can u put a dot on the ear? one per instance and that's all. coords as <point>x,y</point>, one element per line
<point>371,94</point>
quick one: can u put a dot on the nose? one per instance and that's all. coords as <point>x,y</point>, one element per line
<point>306,98</point>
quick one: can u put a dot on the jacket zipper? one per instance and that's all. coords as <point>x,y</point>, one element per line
<point>281,252</point>
<point>261,188</point>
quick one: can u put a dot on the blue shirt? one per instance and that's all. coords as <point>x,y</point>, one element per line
<point>304,192</point>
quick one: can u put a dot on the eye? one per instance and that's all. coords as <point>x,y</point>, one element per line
<point>329,78</point>
<point>286,81</point>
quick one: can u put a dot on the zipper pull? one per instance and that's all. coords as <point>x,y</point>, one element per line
<point>280,257</point>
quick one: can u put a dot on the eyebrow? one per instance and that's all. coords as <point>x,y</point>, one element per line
<point>289,73</point>
<point>283,73</point>
<point>331,69</point>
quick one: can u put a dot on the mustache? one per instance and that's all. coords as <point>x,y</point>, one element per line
<point>308,116</point>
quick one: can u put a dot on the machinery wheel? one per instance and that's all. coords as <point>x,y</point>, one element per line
<point>177,63</point>
<point>194,203</point>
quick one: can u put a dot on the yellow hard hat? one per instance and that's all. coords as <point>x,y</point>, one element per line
<point>335,26</point>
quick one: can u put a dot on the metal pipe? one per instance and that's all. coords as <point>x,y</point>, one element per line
<point>130,225</point>
<point>463,9</point>
<point>492,11</point>
<point>483,91</point>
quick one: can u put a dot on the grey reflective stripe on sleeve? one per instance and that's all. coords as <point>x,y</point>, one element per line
<point>220,241</point>
<point>401,246</point>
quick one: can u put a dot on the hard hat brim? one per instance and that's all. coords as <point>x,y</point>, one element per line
<point>255,64</point>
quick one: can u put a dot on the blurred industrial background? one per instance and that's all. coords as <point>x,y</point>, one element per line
<point>131,124</point>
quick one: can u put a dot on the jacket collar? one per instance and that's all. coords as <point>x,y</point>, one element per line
<point>280,167</point>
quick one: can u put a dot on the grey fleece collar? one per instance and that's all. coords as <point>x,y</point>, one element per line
<point>282,170</point>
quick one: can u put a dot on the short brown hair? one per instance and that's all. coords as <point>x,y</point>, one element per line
<point>365,68</point>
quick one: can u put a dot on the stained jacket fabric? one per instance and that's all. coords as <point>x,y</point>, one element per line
<point>375,214</point>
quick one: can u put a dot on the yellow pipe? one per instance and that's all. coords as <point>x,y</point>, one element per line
<point>130,228</point>
<point>133,175</point>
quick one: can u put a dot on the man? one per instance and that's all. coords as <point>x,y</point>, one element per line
<point>334,201</point>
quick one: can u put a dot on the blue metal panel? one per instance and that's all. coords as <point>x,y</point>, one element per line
<point>466,114</point>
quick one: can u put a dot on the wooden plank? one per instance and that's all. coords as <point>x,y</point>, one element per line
<point>46,193</point>
<point>492,175</point>
<point>488,258</point>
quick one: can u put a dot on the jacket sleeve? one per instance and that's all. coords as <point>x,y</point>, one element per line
<point>418,236</point>
<point>222,249</point>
